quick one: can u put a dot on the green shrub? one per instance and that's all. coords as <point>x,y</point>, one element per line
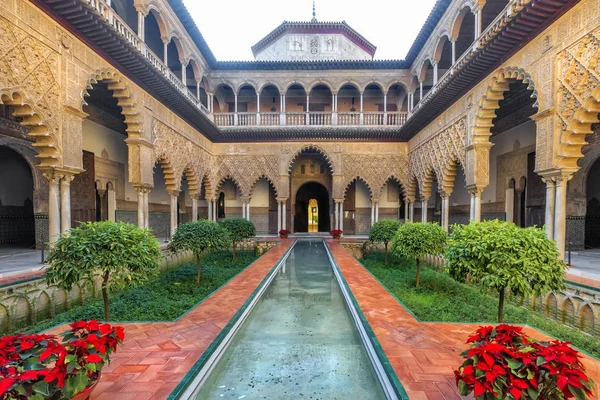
<point>499,255</point>
<point>122,253</point>
<point>442,299</point>
<point>383,232</point>
<point>239,229</point>
<point>199,237</point>
<point>415,240</point>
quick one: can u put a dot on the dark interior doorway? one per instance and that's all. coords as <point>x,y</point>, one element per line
<point>308,191</point>
<point>592,217</point>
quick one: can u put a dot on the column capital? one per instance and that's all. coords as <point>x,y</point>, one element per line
<point>174,193</point>
<point>245,199</point>
<point>195,196</point>
<point>338,200</point>
<point>101,192</point>
<point>475,189</point>
<point>141,189</point>
<point>165,39</point>
<point>281,199</point>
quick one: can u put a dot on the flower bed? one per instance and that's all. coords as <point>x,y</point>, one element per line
<point>39,366</point>
<point>163,299</point>
<point>440,298</point>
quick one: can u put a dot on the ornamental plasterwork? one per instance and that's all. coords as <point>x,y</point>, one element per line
<point>577,93</point>
<point>375,170</point>
<point>439,155</point>
<point>246,170</point>
<point>30,69</point>
<point>178,154</point>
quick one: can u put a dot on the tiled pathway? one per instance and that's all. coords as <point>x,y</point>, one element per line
<point>424,355</point>
<point>156,356</point>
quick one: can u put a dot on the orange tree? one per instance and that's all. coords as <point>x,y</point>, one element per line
<point>500,255</point>
<point>121,253</point>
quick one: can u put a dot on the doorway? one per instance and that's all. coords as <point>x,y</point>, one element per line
<point>312,208</point>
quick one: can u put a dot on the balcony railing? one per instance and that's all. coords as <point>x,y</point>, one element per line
<point>313,118</point>
<point>103,10</point>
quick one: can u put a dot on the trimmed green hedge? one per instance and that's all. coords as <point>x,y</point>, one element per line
<point>163,299</point>
<point>442,299</point>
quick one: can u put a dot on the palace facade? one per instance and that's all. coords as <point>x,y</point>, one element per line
<point>120,111</point>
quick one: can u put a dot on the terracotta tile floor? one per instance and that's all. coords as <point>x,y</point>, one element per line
<point>156,356</point>
<point>584,281</point>
<point>423,355</point>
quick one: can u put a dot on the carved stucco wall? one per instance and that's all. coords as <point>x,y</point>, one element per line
<point>292,47</point>
<point>536,62</point>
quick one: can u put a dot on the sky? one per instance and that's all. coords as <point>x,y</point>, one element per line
<point>231,27</point>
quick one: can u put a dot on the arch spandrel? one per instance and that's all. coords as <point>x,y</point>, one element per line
<point>288,162</point>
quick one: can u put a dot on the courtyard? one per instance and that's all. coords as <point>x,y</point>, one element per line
<point>389,201</point>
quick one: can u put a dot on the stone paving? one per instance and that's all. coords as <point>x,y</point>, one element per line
<point>156,356</point>
<point>424,355</point>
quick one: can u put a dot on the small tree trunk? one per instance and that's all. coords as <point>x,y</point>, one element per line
<point>501,306</point>
<point>418,272</point>
<point>386,259</point>
<point>233,248</point>
<point>198,264</point>
<point>105,295</point>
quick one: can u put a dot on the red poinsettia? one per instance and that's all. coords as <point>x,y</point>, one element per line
<point>504,363</point>
<point>336,232</point>
<point>36,366</point>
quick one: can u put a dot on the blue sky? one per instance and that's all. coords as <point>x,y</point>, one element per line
<point>231,26</point>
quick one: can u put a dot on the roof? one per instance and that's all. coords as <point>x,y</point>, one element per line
<point>431,22</point>
<point>304,27</point>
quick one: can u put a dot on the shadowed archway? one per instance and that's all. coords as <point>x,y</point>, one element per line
<point>307,192</point>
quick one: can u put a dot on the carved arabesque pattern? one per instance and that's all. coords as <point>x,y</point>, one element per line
<point>123,94</point>
<point>177,155</point>
<point>375,170</point>
<point>29,82</point>
<point>439,157</point>
<point>578,97</point>
<point>246,170</point>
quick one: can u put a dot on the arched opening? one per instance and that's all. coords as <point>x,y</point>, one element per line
<point>153,34</point>
<point>174,57</point>
<point>443,55</point>
<point>397,104</point>
<point>224,105</point>
<point>391,200</point>
<point>246,105</point>
<point>229,201</point>
<point>320,105</point>
<point>17,223</point>
<point>312,208</point>
<point>310,168</point>
<point>263,205</point>
<point>491,9</point>
<point>358,208</point>
<point>190,77</point>
<point>126,10</point>
<point>348,105</point>
<point>460,199</point>
<point>159,203</point>
<point>464,31</point>
<point>592,215</point>
<point>513,157</point>
<point>373,104</point>
<point>204,89</point>
<point>270,105</point>
<point>434,205</point>
<point>295,105</point>
<point>426,77</point>
<point>102,191</point>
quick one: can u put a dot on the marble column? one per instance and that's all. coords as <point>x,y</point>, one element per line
<point>372,213</point>
<point>244,209</point>
<point>446,212</point>
<point>173,194</point>
<point>377,211</point>
<point>146,208</point>
<point>140,209</point>
<point>53,206</point>
<point>258,109</point>
<point>210,210</point>
<point>550,204</point>
<point>141,26</point>
<point>278,216</point>
<point>235,109</point>
<point>435,73</point>
<point>406,212</point>
<point>342,215</point>
<point>283,214</point>
<point>478,206</point>
<point>560,215</point>
<point>248,210</point>
<point>215,210</point>
<point>424,210</point>
<point>411,209</point>
<point>102,196</point>
<point>65,202</point>
<point>194,209</point>
<point>112,204</point>
<point>453,51</point>
<point>166,50</point>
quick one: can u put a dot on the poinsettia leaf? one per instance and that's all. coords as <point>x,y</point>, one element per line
<point>42,388</point>
<point>36,397</point>
<point>532,393</point>
<point>513,364</point>
<point>463,388</point>
<point>540,360</point>
<point>579,393</point>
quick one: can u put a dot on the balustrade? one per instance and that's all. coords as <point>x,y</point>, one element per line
<point>314,118</point>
